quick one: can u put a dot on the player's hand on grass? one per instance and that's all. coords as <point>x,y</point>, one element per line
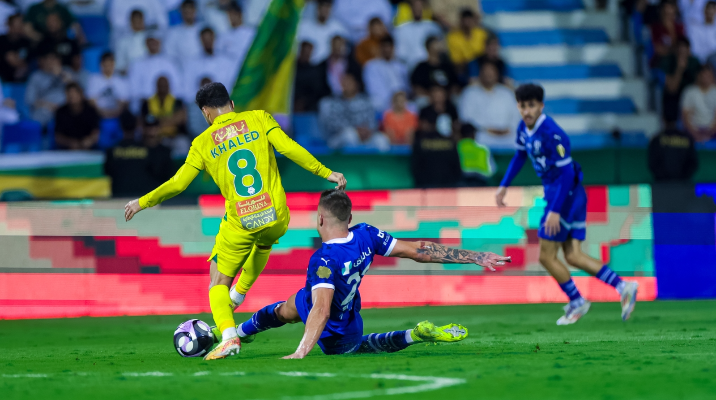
<point>339,179</point>
<point>131,209</point>
<point>294,356</point>
<point>500,196</point>
<point>490,260</point>
<point>551,224</point>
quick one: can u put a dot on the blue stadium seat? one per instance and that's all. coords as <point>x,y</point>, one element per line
<point>24,136</point>
<point>580,106</point>
<point>174,17</point>
<point>110,133</point>
<point>562,72</point>
<point>493,6</point>
<point>307,130</point>
<point>91,58</point>
<point>570,37</point>
<point>96,29</point>
<point>16,91</point>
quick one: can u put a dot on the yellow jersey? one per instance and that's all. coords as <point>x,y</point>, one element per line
<point>237,150</point>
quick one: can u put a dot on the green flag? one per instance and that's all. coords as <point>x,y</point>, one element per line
<point>266,78</point>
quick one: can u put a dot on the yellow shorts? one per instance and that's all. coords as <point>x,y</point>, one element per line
<point>233,246</point>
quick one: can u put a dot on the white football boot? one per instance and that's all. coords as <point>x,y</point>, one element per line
<point>628,298</point>
<point>573,314</point>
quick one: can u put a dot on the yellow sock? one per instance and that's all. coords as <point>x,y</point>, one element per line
<point>253,267</point>
<point>220,303</point>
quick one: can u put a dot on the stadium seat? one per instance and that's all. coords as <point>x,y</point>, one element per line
<point>174,17</point>
<point>110,133</point>
<point>307,130</point>
<point>96,29</point>
<point>91,58</point>
<point>24,136</point>
<point>16,91</point>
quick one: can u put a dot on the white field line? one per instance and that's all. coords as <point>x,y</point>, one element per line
<point>25,376</point>
<point>152,373</point>
<point>431,383</point>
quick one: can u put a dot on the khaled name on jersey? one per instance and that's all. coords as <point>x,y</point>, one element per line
<point>256,212</point>
<point>233,133</point>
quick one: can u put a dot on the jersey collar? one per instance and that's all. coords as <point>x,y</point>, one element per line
<point>341,240</point>
<point>539,122</point>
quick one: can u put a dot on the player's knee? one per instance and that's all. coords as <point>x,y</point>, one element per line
<point>287,314</point>
<point>572,257</point>
<point>546,258</point>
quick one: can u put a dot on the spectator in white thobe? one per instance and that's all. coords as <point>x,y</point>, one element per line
<point>144,72</point>
<point>214,13</point>
<point>320,30</point>
<point>410,37</point>
<point>491,107</point>
<point>356,14</point>
<point>384,76</point>
<point>182,40</point>
<point>108,91</point>
<point>703,34</point>
<point>131,45</point>
<point>216,67</point>
<point>236,42</point>
<point>156,15</point>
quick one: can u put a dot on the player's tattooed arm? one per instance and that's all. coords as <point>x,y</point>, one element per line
<point>430,252</point>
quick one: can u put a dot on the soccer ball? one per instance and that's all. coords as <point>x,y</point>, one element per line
<point>193,338</point>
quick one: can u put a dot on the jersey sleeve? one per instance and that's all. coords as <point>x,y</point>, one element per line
<point>177,184</point>
<point>383,241</point>
<point>194,157</point>
<point>519,139</point>
<point>269,122</point>
<point>322,272</point>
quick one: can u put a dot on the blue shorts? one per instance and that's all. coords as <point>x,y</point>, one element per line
<point>573,216</point>
<point>337,338</point>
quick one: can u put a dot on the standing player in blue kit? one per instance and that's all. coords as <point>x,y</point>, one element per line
<point>564,222</point>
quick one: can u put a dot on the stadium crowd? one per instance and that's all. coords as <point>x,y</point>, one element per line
<point>376,74</point>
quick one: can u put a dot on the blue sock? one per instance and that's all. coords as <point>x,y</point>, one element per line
<point>262,320</point>
<point>570,289</point>
<point>609,277</point>
<point>384,342</point>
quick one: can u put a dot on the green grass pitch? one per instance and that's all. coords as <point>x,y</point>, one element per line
<point>667,351</point>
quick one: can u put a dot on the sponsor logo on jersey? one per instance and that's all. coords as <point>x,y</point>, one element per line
<point>261,218</point>
<point>253,204</point>
<point>323,272</point>
<point>230,131</point>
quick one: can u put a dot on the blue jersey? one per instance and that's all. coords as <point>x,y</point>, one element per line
<point>548,148</point>
<point>340,264</point>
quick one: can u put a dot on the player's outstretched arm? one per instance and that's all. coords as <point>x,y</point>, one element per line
<point>316,321</point>
<point>177,184</point>
<point>429,252</point>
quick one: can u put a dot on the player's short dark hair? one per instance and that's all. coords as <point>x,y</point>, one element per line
<point>213,95</point>
<point>337,203</point>
<point>387,39</point>
<point>106,55</point>
<point>529,91</point>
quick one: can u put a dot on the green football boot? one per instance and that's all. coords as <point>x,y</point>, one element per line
<point>426,331</point>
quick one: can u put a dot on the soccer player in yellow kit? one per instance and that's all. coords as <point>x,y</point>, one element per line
<point>237,151</point>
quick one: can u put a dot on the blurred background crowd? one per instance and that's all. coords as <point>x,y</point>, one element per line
<point>419,77</point>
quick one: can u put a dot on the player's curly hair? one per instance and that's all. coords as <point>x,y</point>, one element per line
<point>213,95</point>
<point>529,91</point>
<point>337,203</point>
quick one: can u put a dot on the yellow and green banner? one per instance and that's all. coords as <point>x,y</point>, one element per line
<point>266,78</point>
